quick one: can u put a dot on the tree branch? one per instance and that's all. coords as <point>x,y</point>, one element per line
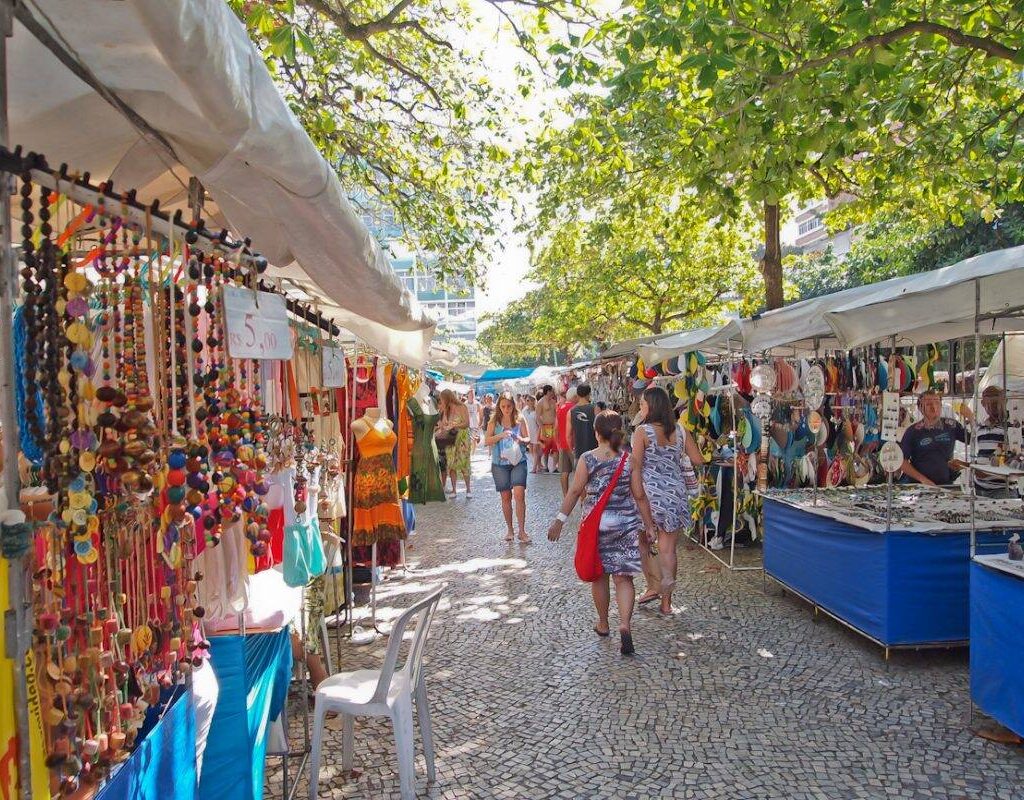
<point>989,46</point>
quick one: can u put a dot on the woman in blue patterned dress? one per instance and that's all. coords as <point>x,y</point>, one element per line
<point>623,521</point>
<point>660,445</point>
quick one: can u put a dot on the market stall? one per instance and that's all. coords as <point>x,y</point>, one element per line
<point>888,557</point>
<point>185,396</point>
<point>997,647</point>
<point>705,361</point>
<point>899,577</point>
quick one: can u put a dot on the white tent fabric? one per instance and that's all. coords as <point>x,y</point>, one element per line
<point>1007,362</point>
<point>713,340</point>
<point>541,376</point>
<point>797,328</point>
<point>188,72</point>
<point>937,305</point>
<point>628,347</point>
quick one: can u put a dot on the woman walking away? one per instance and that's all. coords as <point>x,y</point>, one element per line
<point>530,417</point>
<point>455,417</point>
<point>508,437</point>
<point>659,444</point>
<point>625,519</point>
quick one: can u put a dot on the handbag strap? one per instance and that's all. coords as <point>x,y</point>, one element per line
<point>607,494</point>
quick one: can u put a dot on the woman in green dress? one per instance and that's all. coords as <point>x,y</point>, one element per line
<point>425,482</point>
<point>455,416</point>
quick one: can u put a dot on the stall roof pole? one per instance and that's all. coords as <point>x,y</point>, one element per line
<point>973,455</point>
<point>17,620</point>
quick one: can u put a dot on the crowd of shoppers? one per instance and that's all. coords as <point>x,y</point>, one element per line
<point>568,433</point>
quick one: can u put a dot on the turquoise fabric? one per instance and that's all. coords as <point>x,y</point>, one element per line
<point>303,556</point>
<point>253,672</point>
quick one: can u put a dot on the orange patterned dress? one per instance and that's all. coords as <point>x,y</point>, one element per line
<point>377,510</point>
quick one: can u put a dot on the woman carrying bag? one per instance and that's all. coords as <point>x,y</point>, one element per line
<point>616,514</point>
<point>453,435</point>
<point>508,437</point>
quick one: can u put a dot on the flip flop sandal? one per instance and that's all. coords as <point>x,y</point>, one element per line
<point>626,648</point>
<point>647,598</point>
<point>604,634</point>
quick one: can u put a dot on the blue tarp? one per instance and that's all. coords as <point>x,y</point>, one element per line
<point>997,645</point>
<point>163,766</point>
<point>899,588</point>
<point>492,375</point>
<point>492,379</point>
<point>253,672</point>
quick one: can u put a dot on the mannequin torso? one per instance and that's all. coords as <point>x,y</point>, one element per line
<point>372,418</point>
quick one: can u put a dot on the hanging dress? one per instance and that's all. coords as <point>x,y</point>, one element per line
<point>425,481</point>
<point>377,513</point>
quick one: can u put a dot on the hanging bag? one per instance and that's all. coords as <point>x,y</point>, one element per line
<point>588,558</point>
<point>510,451</point>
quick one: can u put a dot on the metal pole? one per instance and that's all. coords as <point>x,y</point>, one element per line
<point>888,478</point>
<point>814,490</point>
<point>973,457</point>
<point>17,620</point>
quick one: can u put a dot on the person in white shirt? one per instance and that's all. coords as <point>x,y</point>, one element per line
<point>992,438</point>
<point>475,425</point>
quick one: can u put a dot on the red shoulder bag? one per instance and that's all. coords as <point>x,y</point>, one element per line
<point>588,559</point>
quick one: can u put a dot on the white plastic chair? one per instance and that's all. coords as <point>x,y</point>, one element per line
<point>386,692</point>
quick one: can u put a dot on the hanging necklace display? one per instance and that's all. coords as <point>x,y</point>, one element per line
<point>150,436</point>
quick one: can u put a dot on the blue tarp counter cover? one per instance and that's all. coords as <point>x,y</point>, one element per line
<point>900,588</point>
<point>163,766</point>
<point>253,672</point>
<point>997,645</point>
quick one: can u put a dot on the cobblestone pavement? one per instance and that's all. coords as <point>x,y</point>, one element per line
<point>528,703</point>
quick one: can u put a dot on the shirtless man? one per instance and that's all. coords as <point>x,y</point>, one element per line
<point>546,408</point>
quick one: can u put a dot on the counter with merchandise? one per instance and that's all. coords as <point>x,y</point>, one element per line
<point>901,580</point>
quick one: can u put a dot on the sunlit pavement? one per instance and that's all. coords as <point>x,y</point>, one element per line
<point>741,694</point>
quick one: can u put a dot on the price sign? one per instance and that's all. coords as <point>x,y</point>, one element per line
<point>890,457</point>
<point>890,416</point>
<point>333,365</point>
<point>256,324</point>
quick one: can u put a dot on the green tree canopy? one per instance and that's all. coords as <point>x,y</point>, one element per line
<point>399,98</point>
<point>631,266</point>
<point>915,106</point>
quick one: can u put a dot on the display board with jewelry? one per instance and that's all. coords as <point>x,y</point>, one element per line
<point>919,508</point>
<point>144,446</point>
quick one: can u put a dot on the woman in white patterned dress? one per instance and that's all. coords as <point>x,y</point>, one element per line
<point>659,445</point>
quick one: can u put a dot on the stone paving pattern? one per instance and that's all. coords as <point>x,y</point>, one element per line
<point>528,703</point>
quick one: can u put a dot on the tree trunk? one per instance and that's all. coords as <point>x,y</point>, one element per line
<point>771,263</point>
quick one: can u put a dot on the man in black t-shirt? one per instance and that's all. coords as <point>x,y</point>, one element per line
<point>581,422</point>
<point>928,445</point>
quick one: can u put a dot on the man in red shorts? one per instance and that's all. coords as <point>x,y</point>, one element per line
<point>546,408</point>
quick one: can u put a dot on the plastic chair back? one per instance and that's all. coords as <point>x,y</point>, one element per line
<point>423,613</point>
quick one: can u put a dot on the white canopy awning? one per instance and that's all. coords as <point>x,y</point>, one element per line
<point>629,347</point>
<point>202,104</point>
<point>938,305</point>
<point>1006,369</point>
<point>799,328</point>
<point>542,375</point>
<point>714,340</point>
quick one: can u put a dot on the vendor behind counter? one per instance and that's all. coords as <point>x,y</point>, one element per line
<point>928,444</point>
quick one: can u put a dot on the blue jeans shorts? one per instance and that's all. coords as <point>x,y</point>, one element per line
<point>506,476</point>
